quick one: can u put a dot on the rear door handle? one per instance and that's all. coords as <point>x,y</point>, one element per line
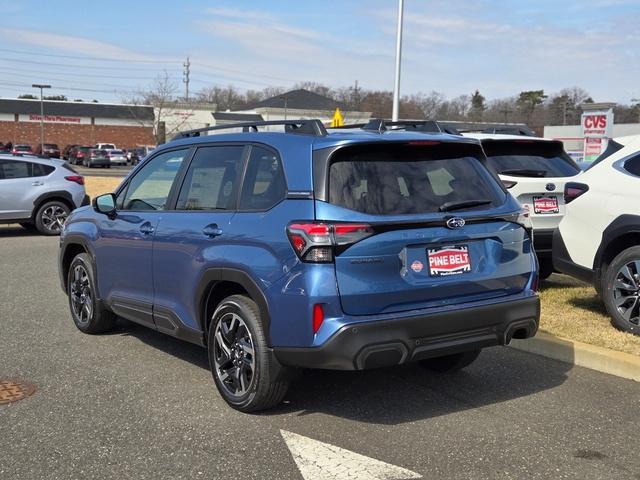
<point>146,228</point>
<point>212,230</point>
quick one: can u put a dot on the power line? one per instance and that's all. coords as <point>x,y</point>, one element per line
<point>74,74</point>
<point>94,67</point>
<point>48,78</point>
<point>78,57</point>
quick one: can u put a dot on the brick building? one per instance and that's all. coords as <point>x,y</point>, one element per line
<point>83,123</point>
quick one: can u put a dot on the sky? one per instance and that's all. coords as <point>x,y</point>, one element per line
<point>110,50</point>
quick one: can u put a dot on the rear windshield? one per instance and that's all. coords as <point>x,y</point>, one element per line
<point>98,152</point>
<point>406,180</point>
<point>528,158</point>
<point>116,152</point>
<point>50,145</point>
<point>22,147</point>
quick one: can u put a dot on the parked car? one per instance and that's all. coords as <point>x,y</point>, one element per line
<point>117,157</point>
<point>341,250</point>
<point>535,171</point>
<point>21,149</point>
<point>136,154</point>
<point>96,158</point>
<point>598,240</point>
<point>67,150</point>
<point>104,146</point>
<point>50,150</point>
<point>39,193</point>
<point>78,153</point>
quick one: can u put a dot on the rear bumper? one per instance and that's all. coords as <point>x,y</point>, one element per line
<point>99,162</point>
<point>563,263</point>
<point>391,342</point>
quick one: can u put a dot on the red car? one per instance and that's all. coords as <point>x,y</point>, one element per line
<point>21,150</point>
<point>50,150</point>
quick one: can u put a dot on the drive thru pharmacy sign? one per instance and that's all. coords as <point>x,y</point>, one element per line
<point>597,126</point>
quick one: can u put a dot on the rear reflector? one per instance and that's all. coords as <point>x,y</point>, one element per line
<point>573,190</point>
<point>76,179</point>
<point>318,317</point>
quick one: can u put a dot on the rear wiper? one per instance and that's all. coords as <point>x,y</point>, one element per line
<point>524,172</point>
<point>449,206</point>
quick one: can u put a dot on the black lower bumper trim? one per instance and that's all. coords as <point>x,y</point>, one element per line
<point>391,342</point>
<point>542,242</point>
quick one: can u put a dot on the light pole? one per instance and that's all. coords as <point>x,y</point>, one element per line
<point>396,87</point>
<point>41,87</point>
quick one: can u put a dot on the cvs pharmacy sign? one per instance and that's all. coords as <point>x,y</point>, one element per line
<point>597,124</point>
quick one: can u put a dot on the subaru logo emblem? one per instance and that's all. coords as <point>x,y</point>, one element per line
<point>550,187</point>
<point>455,222</point>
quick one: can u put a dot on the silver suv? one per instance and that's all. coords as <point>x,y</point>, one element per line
<point>39,193</point>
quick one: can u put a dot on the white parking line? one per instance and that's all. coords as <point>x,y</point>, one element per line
<point>322,461</point>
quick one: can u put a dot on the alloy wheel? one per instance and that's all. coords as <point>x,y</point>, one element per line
<point>53,218</point>
<point>234,355</point>
<point>81,298</point>
<point>626,292</point>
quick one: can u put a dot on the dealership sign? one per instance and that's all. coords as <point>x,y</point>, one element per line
<point>597,128</point>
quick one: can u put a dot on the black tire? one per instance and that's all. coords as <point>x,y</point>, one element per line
<point>51,216</point>
<point>545,269</point>
<point>450,363</point>
<point>89,316</point>
<point>268,382</point>
<point>621,290</point>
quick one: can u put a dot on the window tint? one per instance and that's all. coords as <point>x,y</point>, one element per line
<point>210,183</point>
<point>528,158</point>
<point>264,183</point>
<point>40,170</point>
<point>150,187</point>
<point>633,166</point>
<point>10,169</point>
<point>408,180</point>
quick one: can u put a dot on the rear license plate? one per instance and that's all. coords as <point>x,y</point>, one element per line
<point>547,204</point>
<point>449,260</point>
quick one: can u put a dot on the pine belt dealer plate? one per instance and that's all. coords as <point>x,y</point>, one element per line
<point>547,204</point>
<point>449,260</point>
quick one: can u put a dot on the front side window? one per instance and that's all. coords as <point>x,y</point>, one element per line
<point>149,188</point>
<point>264,183</point>
<point>11,169</point>
<point>211,182</point>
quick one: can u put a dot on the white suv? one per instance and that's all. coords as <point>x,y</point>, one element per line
<point>535,171</point>
<point>598,241</point>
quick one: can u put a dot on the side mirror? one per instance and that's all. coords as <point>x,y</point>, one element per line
<point>105,204</point>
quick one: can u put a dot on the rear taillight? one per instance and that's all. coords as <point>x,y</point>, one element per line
<point>316,242</point>
<point>509,183</point>
<point>318,317</point>
<point>79,179</point>
<point>80,155</point>
<point>523,219</point>
<point>573,190</point>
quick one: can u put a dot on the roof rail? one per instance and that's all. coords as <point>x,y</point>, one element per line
<point>425,126</point>
<point>307,127</point>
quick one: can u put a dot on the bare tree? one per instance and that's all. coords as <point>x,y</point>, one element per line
<point>160,95</point>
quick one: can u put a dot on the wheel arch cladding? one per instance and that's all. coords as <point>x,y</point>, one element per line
<point>218,283</point>
<point>622,233</point>
<point>58,195</point>
<point>72,247</point>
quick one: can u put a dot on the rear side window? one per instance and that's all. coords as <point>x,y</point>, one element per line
<point>211,182</point>
<point>408,180</point>
<point>633,166</point>
<point>529,158</point>
<point>264,184</point>
<point>40,170</point>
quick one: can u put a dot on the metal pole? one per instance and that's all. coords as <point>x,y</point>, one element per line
<point>41,87</point>
<point>396,87</point>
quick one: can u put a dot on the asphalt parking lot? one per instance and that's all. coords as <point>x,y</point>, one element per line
<point>119,171</point>
<point>137,404</point>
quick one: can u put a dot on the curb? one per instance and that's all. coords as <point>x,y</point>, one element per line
<point>620,364</point>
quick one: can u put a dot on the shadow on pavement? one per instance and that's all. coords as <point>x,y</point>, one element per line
<point>15,230</point>
<point>394,395</point>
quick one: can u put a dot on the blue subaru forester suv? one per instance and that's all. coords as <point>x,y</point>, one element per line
<point>276,250</point>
